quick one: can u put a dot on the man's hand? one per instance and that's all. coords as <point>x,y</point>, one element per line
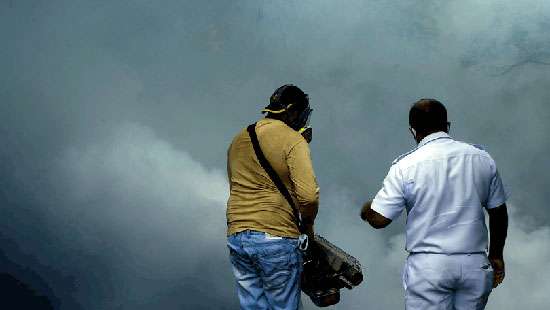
<point>365,210</point>
<point>498,269</point>
<point>375,219</point>
<point>498,228</point>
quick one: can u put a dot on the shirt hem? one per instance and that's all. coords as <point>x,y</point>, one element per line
<point>271,232</point>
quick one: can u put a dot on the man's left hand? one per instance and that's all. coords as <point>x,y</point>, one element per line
<point>498,269</point>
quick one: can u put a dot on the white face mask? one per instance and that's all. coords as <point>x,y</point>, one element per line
<point>413,132</point>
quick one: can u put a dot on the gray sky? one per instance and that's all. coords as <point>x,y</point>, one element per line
<point>115,118</point>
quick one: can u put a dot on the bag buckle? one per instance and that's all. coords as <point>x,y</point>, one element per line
<point>303,242</point>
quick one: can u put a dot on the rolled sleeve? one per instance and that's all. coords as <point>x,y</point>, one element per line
<point>497,192</point>
<point>389,201</point>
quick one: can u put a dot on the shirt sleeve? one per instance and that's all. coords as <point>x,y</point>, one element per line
<point>303,178</point>
<point>497,192</point>
<point>390,200</point>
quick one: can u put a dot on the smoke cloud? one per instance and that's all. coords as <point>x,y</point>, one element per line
<point>149,222</point>
<point>154,214</point>
<point>115,119</point>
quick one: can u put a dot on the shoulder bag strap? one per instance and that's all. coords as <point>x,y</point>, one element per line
<point>272,174</point>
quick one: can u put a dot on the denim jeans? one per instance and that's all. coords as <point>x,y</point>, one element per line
<point>267,270</point>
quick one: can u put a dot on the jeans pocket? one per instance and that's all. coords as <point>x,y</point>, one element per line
<point>277,278</point>
<point>489,274</point>
<point>487,267</point>
<point>279,262</point>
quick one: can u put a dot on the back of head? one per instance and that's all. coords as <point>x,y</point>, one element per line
<point>290,105</point>
<point>428,116</point>
<point>287,97</point>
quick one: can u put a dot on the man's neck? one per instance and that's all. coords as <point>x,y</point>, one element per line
<point>421,137</point>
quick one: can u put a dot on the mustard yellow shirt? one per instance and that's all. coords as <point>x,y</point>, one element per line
<point>254,202</point>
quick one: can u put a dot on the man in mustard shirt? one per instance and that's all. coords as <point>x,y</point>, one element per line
<point>261,225</point>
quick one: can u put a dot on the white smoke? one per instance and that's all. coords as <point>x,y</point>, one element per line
<point>527,254</point>
<point>164,213</point>
<point>152,214</point>
<point>132,221</point>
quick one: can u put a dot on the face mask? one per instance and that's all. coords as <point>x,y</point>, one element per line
<point>302,122</point>
<point>413,132</point>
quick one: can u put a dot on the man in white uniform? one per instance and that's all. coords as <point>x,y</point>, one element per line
<point>444,185</point>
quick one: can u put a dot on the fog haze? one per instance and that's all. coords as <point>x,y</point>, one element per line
<point>115,118</point>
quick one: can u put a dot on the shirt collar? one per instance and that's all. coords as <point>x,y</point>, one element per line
<point>434,136</point>
<point>268,120</point>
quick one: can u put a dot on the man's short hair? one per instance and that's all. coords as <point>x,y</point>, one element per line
<point>428,115</point>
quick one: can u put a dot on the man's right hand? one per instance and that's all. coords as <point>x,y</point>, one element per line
<point>498,269</point>
<point>375,219</point>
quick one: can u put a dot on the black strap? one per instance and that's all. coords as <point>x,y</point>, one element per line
<point>272,174</point>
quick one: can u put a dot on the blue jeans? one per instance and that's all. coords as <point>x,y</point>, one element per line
<point>267,270</point>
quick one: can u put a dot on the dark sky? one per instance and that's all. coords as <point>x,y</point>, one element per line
<point>115,117</point>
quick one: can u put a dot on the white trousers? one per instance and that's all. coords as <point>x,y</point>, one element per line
<point>447,282</point>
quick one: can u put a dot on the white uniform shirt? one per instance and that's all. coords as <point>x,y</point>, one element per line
<point>444,185</point>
